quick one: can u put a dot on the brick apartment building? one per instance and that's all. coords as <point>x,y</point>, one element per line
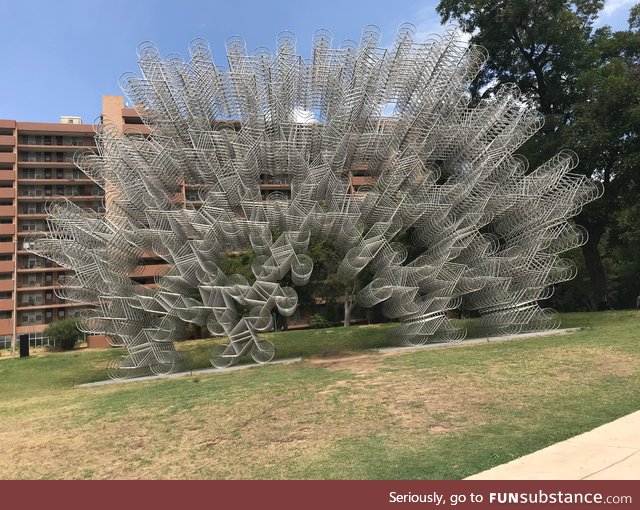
<point>36,167</point>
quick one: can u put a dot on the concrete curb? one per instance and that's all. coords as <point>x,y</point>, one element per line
<point>475,341</point>
<point>202,371</point>
<point>288,361</point>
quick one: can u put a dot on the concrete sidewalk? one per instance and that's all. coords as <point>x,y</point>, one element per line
<point>609,452</point>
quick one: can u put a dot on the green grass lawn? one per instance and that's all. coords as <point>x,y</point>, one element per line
<point>327,342</point>
<point>345,412</point>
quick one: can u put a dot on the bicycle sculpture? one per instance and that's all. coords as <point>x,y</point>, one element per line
<point>380,151</point>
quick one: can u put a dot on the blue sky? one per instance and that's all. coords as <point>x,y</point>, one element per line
<point>62,56</point>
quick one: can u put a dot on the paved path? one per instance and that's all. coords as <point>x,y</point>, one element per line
<point>609,452</point>
<point>203,371</point>
<point>207,371</point>
<point>482,340</point>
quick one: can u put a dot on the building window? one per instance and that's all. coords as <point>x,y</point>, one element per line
<point>29,225</point>
<point>29,279</point>
<point>29,317</point>
<point>5,341</point>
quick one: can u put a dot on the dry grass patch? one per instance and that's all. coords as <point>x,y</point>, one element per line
<point>434,413</point>
<point>260,436</point>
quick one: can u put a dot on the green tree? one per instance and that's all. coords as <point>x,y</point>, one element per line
<point>326,283</point>
<point>623,262</point>
<point>603,130</point>
<point>539,46</point>
<point>581,80</point>
<point>238,263</point>
<point>64,333</point>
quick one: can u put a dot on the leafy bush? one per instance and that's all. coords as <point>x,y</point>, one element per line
<point>319,321</point>
<point>64,333</point>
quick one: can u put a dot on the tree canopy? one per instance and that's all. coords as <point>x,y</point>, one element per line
<point>586,83</point>
<point>64,333</point>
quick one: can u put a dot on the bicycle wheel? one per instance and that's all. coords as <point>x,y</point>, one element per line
<point>114,371</point>
<point>218,358</point>
<point>163,368</point>
<point>263,351</point>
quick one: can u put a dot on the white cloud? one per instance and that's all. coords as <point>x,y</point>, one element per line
<point>611,6</point>
<point>427,22</point>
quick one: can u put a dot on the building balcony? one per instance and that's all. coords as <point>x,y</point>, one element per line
<point>6,285</point>
<point>26,307</point>
<point>32,327</point>
<point>29,233</point>
<point>7,175</point>
<point>136,129</point>
<point>6,327</point>
<point>7,141</point>
<point>33,216</point>
<point>73,198</point>
<point>6,305</point>
<point>6,266</point>
<point>44,164</point>
<point>40,268</point>
<point>7,229</point>
<point>7,247</point>
<point>35,234</point>
<point>130,113</point>
<point>41,179</point>
<point>55,148</point>
<point>31,286</point>
<point>7,193</point>
<point>24,250</point>
<point>55,129</point>
<point>7,157</point>
<point>7,210</point>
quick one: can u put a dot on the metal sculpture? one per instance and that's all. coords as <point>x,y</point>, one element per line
<point>379,150</point>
